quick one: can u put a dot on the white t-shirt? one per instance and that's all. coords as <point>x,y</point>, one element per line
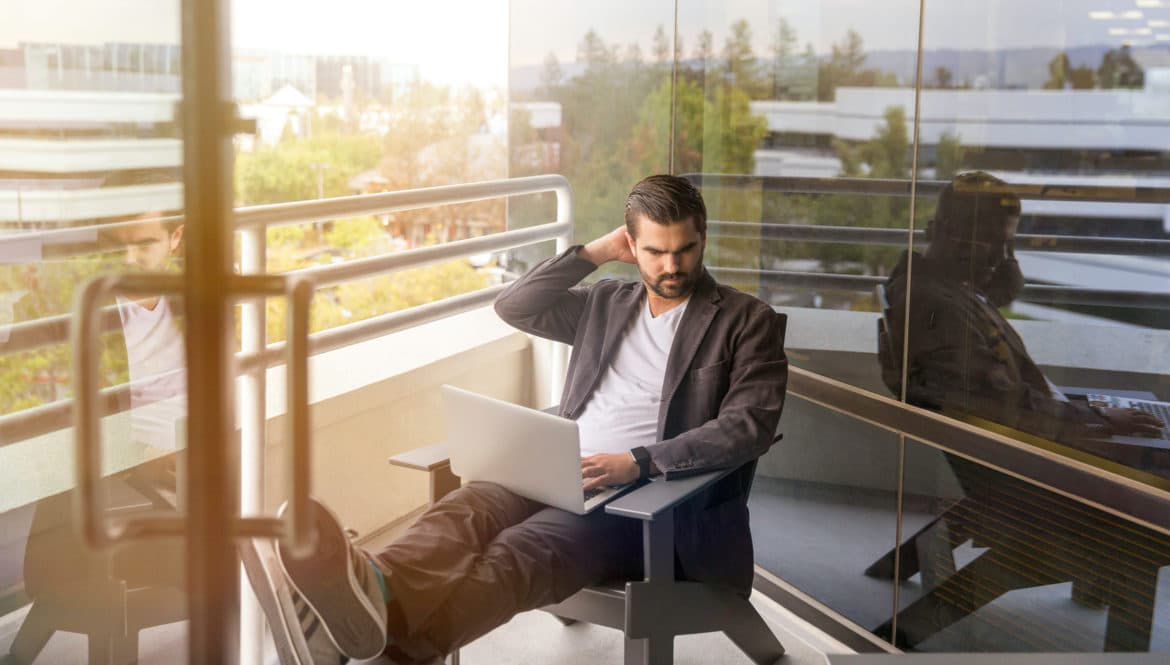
<point>158,373</point>
<point>623,411</point>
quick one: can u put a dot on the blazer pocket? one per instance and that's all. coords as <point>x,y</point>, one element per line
<point>714,372</point>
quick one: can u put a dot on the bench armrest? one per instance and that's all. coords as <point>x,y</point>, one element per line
<point>427,458</point>
<point>660,495</point>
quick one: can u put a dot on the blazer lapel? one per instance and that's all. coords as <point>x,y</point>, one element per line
<point>691,330</point>
<point>624,307</point>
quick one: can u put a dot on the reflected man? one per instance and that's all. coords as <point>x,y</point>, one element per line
<point>963,354</point>
<point>154,339</point>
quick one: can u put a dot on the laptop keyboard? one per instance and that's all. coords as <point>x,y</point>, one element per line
<point>1153,408</point>
<point>589,494</point>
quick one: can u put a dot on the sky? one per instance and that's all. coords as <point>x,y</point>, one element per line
<point>472,41</point>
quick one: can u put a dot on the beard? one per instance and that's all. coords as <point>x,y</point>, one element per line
<point>681,286</point>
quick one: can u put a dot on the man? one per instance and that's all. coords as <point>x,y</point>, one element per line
<point>963,355</point>
<point>672,375</point>
<point>154,340</point>
<point>57,564</point>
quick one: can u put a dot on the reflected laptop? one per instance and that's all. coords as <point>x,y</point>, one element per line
<point>534,454</point>
<point>1160,410</point>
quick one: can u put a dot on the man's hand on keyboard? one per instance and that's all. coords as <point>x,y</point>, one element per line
<point>1133,421</point>
<point>608,469</point>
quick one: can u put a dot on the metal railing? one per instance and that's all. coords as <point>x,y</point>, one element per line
<point>900,237</point>
<point>253,221</point>
<point>54,330</point>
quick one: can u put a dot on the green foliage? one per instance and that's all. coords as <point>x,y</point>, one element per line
<point>846,67</point>
<point>299,169</point>
<point>1061,74</point>
<point>886,155</point>
<point>362,236</point>
<point>1118,69</point>
<point>948,158</point>
<point>943,77</point>
<point>355,301</point>
<point>46,289</point>
<point>740,69</point>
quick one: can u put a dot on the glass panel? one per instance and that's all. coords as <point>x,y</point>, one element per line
<point>590,93</point>
<point>366,98</point>
<point>766,107</point>
<point>819,524</point>
<point>994,563</point>
<point>1051,143</point>
<point>383,105</point>
<point>1036,137</point>
<point>90,184</point>
<point>764,112</point>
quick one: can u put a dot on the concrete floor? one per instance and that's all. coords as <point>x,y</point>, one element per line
<point>531,638</point>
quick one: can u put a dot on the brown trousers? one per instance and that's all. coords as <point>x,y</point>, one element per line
<point>483,554</point>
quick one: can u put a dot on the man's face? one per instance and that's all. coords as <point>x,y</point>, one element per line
<point>669,256</point>
<point>979,254</point>
<point>149,246</point>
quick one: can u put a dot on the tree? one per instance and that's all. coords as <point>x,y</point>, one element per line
<point>943,78</point>
<point>592,51</point>
<point>287,172</point>
<point>1118,69</point>
<point>1061,74</point>
<point>550,76</point>
<point>883,156</point>
<point>661,45</point>
<point>846,67</point>
<point>783,46</point>
<point>1083,78</point>
<point>1058,69</point>
<point>715,131</point>
<point>705,49</point>
<point>739,61</point>
<point>948,156</point>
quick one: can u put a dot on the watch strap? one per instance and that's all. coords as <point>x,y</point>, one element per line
<point>642,459</point>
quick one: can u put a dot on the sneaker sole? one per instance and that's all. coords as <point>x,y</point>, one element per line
<point>347,614</point>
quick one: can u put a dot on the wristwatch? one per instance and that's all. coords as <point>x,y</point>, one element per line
<point>642,459</point>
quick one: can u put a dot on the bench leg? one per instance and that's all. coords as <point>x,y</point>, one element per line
<point>748,630</point>
<point>33,635</point>
<point>1129,623</point>
<point>658,650</point>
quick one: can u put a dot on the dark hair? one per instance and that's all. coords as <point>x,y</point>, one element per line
<point>973,199</point>
<point>666,199</point>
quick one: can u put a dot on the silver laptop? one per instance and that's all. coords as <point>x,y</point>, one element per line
<point>534,454</point>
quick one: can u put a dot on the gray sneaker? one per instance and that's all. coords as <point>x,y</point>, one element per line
<point>296,630</point>
<point>338,583</point>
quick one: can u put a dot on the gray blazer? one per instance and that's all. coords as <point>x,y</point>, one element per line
<point>722,393</point>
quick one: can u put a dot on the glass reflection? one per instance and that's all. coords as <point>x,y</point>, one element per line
<point>1005,566</point>
<point>962,355</point>
<point>90,185</point>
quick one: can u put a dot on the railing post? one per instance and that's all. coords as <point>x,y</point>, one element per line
<point>560,353</point>
<point>252,386</point>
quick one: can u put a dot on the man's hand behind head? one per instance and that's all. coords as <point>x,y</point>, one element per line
<point>613,246</point>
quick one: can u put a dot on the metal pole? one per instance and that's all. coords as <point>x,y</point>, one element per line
<point>212,564</point>
<point>252,386</point>
<point>560,352</point>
